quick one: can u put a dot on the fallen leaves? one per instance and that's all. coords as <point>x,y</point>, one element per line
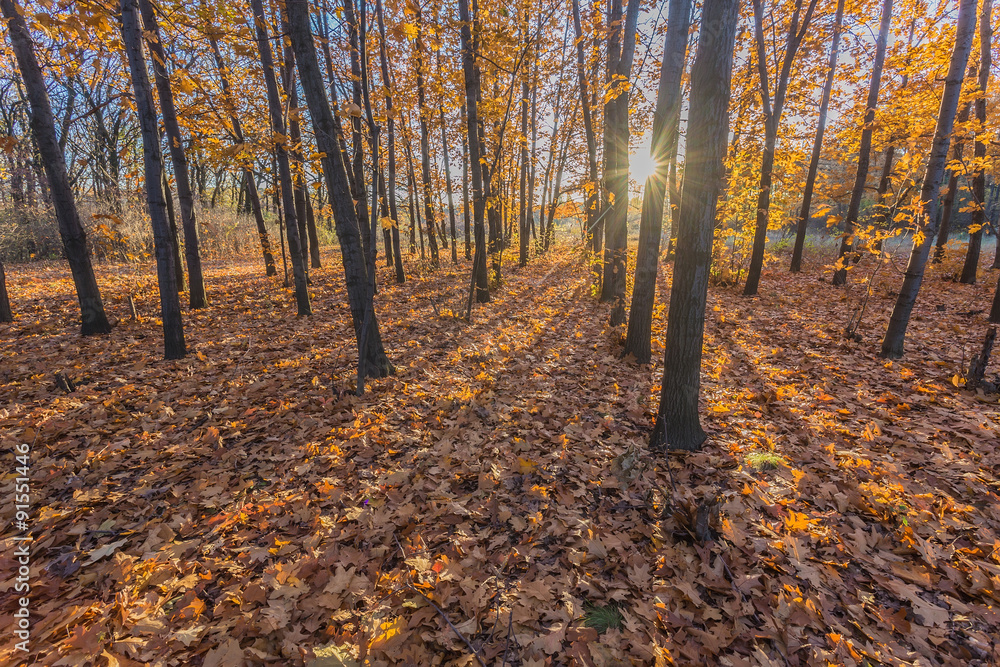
<point>232,508</point>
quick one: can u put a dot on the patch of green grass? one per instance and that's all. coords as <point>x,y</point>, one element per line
<point>761,461</point>
<point>603,619</point>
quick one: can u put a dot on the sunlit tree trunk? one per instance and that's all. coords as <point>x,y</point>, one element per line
<point>668,108</point>
<point>678,425</point>
<point>168,198</point>
<point>372,360</point>
<point>595,226</point>
<point>470,70</point>
<point>773,109</point>
<point>74,239</point>
<point>824,107</point>
<point>252,194</point>
<point>979,152</point>
<point>865,148</point>
<point>197,297</point>
<point>283,176</point>
<point>892,344</point>
<point>170,306</point>
<point>391,145</point>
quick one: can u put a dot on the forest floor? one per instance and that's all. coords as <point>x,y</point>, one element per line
<point>243,506</point>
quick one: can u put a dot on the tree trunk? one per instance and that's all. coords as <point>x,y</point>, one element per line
<point>948,201</point>
<point>252,194</point>
<point>174,238</point>
<point>522,209</point>
<point>425,152</point>
<point>74,239</point>
<point>465,185</point>
<point>865,149</point>
<point>979,152</point>
<point>451,199</point>
<point>170,306</point>
<point>313,233</point>
<point>892,344</point>
<point>824,107</point>
<point>197,297</point>
<point>470,70</point>
<point>595,223</point>
<point>668,108</point>
<point>284,174</point>
<point>6,315</point>
<point>372,360</point>
<point>677,423</point>
<point>772,119</point>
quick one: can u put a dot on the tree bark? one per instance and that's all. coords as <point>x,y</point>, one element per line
<point>391,141</point>
<point>948,200</point>
<point>197,298</point>
<point>372,360</point>
<point>470,71</point>
<point>802,224</point>
<point>451,199</point>
<point>74,239</point>
<point>466,218</point>
<point>677,423</point>
<point>595,223</point>
<point>979,151</point>
<point>425,151</point>
<point>522,209</point>
<point>6,315</point>
<point>252,194</point>
<point>772,119</point>
<point>865,149</point>
<point>892,344</point>
<point>668,108</point>
<point>170,306</point>
<point>284,174</point>
<point>174,238</point>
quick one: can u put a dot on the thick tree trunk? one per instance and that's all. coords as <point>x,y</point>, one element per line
<point>252,194</point>
<point>470,70</point>
<point>197,297</point>
<point>284,174</point>
<point>677,423</point>
<point>824,107</point>
<point>170,306</point>
<point>372,360</point>
<point>979,152</point>
<point>892,344</point>
<point>74,239</point>
<point>668,108</point>
<point>865,149</point>
<point>772,120</point>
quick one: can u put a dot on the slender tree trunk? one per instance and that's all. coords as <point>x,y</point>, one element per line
<point>522,208</point>
<point>313,233</point>
<point>174,237</point>
<point>6,315</point>
<point>772,120</point>
<point>284,174</point>
<point>865,149</point>
<point>466,219</point>
<point>471,74</point>
<point>170,306</point>
<point>425,151</point>
<point>397,251</point>
<point>252,194</point>
<point>595,224</point>
<point>611,154</point>
<point>451,199</point>
<point>197,297</point>
<point>892,344</point>
<point>979,152</point>
<point>948,201</point>
<point>668,108</point>
<point>803,221</point>
<point>677,423</point>
<point>372,360</point>
<point>74,239</point>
